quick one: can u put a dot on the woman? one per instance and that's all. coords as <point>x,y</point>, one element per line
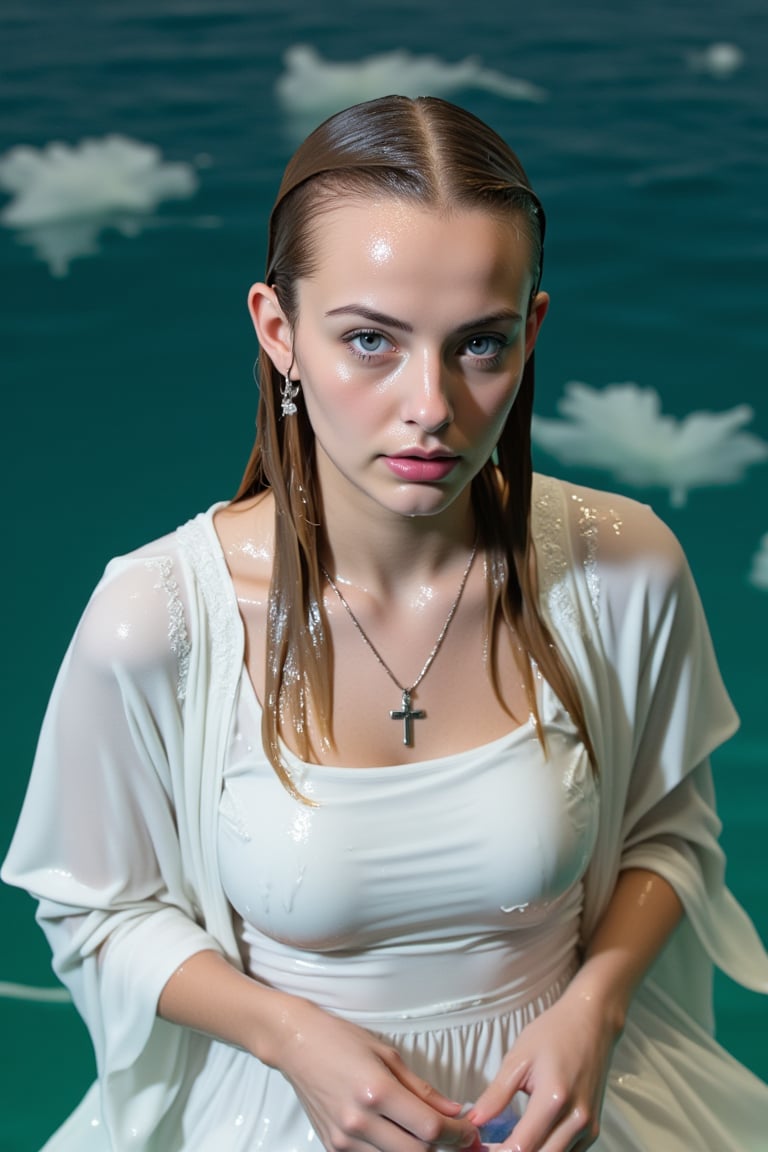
<point>399,817</point>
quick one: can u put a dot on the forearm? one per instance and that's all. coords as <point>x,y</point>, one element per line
<point>208,994</point>
<point>641,916</point>
<point>361,1095</point>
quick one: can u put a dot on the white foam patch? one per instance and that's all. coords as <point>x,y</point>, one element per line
<point>621,429</point>
<point>720,59</point>
<point>759,572</point>
<point>63,196</point>
<point>311,88</point>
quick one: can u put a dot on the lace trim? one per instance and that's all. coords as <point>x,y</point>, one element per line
<point>193,539</point>
<point>588,522</point>
<point>553,559</point>
<point>178,637</point>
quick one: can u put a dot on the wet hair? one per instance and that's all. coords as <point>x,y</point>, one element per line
<point>435,155</point>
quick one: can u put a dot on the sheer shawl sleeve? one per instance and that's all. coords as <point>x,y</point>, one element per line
<point>113,839</point>
<point>619,595</point>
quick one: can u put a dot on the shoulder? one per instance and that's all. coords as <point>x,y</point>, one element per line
<point>609,529</point>
<point>138,615</point>
<point>245,530</point>
<point>615,554</point>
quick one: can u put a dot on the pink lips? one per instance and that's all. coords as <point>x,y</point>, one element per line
<point>418,469</point>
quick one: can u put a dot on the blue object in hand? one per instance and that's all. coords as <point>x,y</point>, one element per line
<point>497,1129</point>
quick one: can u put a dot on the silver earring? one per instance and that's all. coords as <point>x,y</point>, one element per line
<point>288,394</point>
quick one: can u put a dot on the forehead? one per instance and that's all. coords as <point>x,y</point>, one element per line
<point>387,244</point>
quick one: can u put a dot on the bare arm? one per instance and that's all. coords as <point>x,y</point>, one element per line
<point>355,1088</point>
<point>206,993</point>
<point>561,1059</point>
<point>641,916</point>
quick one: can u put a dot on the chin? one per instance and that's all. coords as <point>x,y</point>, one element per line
<point>426,505</point>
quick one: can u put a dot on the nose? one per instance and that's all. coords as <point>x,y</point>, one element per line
<point>426,394</point>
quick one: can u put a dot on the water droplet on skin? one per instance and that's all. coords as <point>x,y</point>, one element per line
<point>255,551</point>
<point>380,251</point>
<point>423,597</point>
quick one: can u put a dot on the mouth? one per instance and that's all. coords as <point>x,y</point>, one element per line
<point>423,454</point>
<point>418,467</point>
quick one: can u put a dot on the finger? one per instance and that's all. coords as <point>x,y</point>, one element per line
<point>552,1128</point>
<point>498,1094</point>
<point>414,1105</point>
<point>421,1087</point>
<point>358,1129</point>
<point>377,1134</point>
<point>432,1131</point>
<point>433,1128</point>
<point>536,1125</point>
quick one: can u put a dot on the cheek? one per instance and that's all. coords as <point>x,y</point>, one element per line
<point>331,389</point>
<point>493,409</point>
<point>338,409</point>
<point>342,372</point>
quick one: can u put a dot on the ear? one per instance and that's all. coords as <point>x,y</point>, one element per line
<point>536,313</point>
<point>272,327</point>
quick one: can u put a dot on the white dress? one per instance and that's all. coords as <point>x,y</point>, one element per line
<point>437,903</point>
<point>440,904</point>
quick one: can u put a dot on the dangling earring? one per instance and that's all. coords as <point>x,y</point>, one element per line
<point>289,392</point>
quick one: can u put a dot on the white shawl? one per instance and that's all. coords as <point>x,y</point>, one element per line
<point>117,836</point>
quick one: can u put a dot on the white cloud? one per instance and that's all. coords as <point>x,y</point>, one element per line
<point>312,88</point>
<point>63,196</point>
<point>621,429</point>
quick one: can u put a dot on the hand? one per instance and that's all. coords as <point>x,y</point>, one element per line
<point>358,1093</point>
<point>561,1061</point>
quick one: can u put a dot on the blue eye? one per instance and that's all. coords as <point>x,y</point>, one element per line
<point>366,342</point>
<point>484,347</point>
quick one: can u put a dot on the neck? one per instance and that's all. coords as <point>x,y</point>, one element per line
<point>380,552</point>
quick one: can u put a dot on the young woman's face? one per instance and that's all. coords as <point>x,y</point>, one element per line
<point>410,343</point>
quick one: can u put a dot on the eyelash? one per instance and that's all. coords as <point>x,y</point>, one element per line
<point>365,357</point>
<point>488,362</point>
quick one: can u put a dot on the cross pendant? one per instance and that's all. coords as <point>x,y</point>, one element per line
<point>407,715</point>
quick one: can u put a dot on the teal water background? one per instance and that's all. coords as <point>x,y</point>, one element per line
<point>128,400</point>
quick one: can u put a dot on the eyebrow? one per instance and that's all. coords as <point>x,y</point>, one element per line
<point>505,314</point>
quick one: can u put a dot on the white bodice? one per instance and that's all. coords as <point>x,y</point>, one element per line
<point>476,856</point>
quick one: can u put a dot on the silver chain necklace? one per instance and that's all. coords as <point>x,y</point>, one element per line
<point>405,712</point>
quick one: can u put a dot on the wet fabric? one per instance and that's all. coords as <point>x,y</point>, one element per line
<point>130,884</point>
